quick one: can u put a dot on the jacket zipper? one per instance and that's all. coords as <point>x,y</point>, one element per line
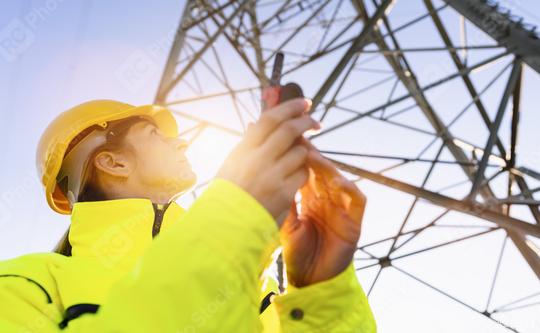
<point>159,212</point>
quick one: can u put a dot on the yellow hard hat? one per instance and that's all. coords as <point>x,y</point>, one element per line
<point>61,131</point>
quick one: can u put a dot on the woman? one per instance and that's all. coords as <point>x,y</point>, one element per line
<point>135,261</point>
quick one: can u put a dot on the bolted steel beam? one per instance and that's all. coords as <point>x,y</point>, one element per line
<point>510,34</point>
<point>438,199</point>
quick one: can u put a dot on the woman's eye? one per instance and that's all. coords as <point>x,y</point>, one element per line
<point>154,130</point>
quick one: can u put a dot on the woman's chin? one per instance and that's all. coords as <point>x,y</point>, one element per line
<point>184,185</point>
<point>193,180</point>
<point>188,179</point>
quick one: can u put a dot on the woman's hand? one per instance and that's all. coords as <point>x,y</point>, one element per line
<point>269,162</point>
<point>320,240</point>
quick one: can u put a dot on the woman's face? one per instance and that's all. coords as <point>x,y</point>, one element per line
<point>159,162</point>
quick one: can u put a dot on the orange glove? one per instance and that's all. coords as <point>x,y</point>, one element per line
<point>320,240</point>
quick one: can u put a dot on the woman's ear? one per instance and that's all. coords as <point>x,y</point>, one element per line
<point>113,164</point>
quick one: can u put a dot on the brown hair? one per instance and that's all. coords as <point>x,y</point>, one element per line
<point>90,190</point>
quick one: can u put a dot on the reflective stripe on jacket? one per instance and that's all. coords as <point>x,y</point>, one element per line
<point>203,273</point>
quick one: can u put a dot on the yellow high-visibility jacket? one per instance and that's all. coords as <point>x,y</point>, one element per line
<point>204,272</point>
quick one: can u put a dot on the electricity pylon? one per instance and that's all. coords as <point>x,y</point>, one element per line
<point>426,102</point>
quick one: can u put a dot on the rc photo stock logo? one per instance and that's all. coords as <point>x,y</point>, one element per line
<point>141,65</point>
<point>5,215</point>
<point>18,35</point>
<point>15,39</point>
<point>136,70</point>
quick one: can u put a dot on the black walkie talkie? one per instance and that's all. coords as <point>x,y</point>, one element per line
<point>275,93</point>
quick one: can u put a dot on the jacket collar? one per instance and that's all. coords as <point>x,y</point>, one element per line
<point>117,232</point>
<point>107,239</point>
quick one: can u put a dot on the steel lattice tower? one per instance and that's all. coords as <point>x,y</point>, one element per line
<point>404,103</point>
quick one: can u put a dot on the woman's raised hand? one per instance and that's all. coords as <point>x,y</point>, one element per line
<point>269,162</point>
<point>320,240</point>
